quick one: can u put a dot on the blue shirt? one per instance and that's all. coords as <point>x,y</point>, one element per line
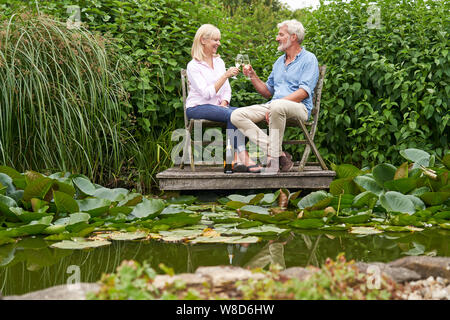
<point>302,73</point>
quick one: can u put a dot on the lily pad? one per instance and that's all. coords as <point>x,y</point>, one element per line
<point>79,244</point>
<point>84,185</point>
<point>315,200</point>
<point>188,200</point>
<point>383,172</point>
<point>364,230</point>
<point>95,207</point>
<point>368,183</point>
<point>127,235</point>
<point>113,195</point>
<point>394,201</point>
<point>307,223</point>
<point>435,198</point>
<point>148,208</point>
<point>65,203</point>
<point>403,185</point>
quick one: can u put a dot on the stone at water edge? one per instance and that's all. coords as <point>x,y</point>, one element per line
<point>425,266</point>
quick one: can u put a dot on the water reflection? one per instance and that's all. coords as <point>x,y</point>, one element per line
<point>31,265</point>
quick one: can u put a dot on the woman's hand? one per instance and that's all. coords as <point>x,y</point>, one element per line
<point>231,72</point>
<point>224,104</point>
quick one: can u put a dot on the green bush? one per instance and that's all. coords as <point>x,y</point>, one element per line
<point>387,85</point>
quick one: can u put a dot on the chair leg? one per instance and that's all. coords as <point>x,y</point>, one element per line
<point>305,156</point>
<point>313,147</point>
<point>185,149</point>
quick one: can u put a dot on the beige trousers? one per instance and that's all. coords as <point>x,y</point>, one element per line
<point>245,120</point>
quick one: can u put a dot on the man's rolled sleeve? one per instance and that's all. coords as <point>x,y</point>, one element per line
<point>270,84</point>
<point>309,76</point>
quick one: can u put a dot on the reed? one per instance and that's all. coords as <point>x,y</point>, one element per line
<point>61,99</point>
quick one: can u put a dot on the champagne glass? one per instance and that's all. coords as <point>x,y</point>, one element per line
<point>245,62</point>
<point>238,62</point>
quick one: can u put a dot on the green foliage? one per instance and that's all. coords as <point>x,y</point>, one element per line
<point>387,84</point>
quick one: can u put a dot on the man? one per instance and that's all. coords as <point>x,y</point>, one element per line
<point>291,85</point>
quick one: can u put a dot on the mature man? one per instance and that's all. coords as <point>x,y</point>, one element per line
<point>291,85</point>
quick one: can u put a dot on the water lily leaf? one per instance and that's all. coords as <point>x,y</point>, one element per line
<point>127,235</point>
<point>417,250</point>
<point>420,191</point>
<point>235,204</point>
<point>240,198</point>
<point>175,209</point>
<point>346,171</point>
<point>32,228</point>
<point>264,230</point>
<point>442,215</point>
<point>446,161</point>
<point>435,198</point>
<point>179,235</point>
<point>418,203</point>
<point>54,229</point>
<point>65,203</point>
<point>402,171</point>
<point>364,230</point>
<point>236,240</point>
<point>188,200</point>
<point>383,172</point>
<point>7,182</point>
<point>402,185</point>
<point>78,221</point>
<point>95,207</point>
<point>79,244</point>
<point>249,209</point>
<point>179,220</point>
<point>27,216</point>
<point>360,217</point>
<point>363,199</point>
<point>307,223</point>
<point>368,183</point>
<point>84,185</point>
<point>445,225</point>
<point>394,201</point>
<point>403,220</point>
<point>315,200</point>
<point>131,200</point>
<point>249,224</point>
<point>148,208</point>
<point>343,185</point>
<point>38,188</point>
<point>399,228</point>
<point>5,204</point>
<point>64,185</point>
<point>270,198</point>
<point>417,156</point>
<point>113,195</point>
<point>120,210</point>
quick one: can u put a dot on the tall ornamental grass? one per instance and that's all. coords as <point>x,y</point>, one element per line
<point>61,98</point>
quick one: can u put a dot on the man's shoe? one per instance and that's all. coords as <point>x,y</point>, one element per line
<point>285,163</point>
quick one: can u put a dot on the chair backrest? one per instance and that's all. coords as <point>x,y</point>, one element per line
<point>316,98</point>
<point>185,91</point>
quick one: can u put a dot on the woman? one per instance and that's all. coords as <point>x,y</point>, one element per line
<point>210,92</point>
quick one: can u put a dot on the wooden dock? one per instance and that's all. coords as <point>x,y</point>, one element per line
<point>213,178</point>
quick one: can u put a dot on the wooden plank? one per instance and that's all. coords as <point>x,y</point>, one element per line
<point>213,178</point>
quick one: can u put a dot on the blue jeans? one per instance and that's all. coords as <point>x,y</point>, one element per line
<point>219,114</point>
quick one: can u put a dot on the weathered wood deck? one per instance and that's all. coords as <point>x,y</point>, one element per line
<point>213,178</point>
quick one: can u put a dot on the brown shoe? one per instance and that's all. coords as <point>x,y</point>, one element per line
<point>285,163</point>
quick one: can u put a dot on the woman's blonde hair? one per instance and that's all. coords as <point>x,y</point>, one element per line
<point>206,31</point>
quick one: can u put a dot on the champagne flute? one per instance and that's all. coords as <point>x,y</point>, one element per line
<point>245,62</point>
<point>238,63</point>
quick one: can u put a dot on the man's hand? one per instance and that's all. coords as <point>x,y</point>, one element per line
<point>248,71</point>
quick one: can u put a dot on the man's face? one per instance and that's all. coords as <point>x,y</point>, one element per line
<point>284,39</point>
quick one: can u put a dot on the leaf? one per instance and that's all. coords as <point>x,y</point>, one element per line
<point>249,209</point>
<point>315,200</point>
<point>79,244</point>
<point>402,185</point>
<point>38,188</point>
<point>394,201</point>
<point>346,171</point>
<point>383,172</point>
<point>235,204</point>
<point>5,204</point>
<point>364,230</point>
<point>270,198</point>
<point>27,216</point>
<point>369,184</point>
<point>360,217</point>
<point>344,185</point>
<point>417,250</point>
<point>446,161</point>
<point>113,195</point>
<point>363,199</point>
<point>402,171</point>
<point>127,235</point>
<point>264,230</point>
<point>78,221</point>
<point>307,223</point>
<point>84,185</point>
<point>148,208</point>
<point>188,200</point>
<point>435,198</point>
<point>417,156</point>
<point>65,203</point>
<point>95,207</point>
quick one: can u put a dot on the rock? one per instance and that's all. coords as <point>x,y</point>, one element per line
<point>425,266</point>
<point>296,272</point>
<point>223,275</point>
<point>398,274</point>
<point>76,291</point>
<point>190,279</point>
<point>439,294</point>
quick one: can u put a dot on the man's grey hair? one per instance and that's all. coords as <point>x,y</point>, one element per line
<point>294,27</point>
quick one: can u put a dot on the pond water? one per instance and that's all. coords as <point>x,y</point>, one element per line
<point>30,264</point>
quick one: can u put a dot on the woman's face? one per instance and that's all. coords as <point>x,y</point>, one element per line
<point>211,45</point>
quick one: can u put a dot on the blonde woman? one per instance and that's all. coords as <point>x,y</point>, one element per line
<point>210,92</point>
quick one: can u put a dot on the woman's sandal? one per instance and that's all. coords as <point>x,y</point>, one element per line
<point>240,167</point>
<point>254,166</point>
